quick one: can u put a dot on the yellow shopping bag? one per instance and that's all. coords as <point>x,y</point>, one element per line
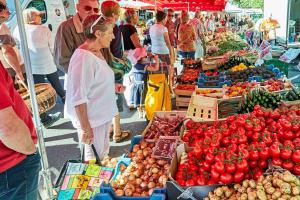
<point>158,96</point>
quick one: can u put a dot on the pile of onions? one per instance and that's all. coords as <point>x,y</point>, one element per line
<point>144,173</point>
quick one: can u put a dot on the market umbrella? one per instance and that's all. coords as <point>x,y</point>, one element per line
<point>35,111</point>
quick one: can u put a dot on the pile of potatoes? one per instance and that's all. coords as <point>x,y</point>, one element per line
<point>277,186</point>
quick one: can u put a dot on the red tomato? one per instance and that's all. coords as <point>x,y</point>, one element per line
<point>190,182</point>
<point>226,178</point>
<point>262,164</point>
<point>230,168</point>
<point>248,126</point>
<point>277,162</point>
<point>206,166</point>
<point>252,163</point>
<point>297,170</point>
<point>214,175</point>
<point>288,165</point>
<point>238,177</point>
<point>274,151</point>
<point>288,135</point>
<point>257,174</point>
<point>264,153</point>
<point>286,154</point>
<point>219,167</point>
<point>245,154</point>
<point>286,124</point>
<point>254,155</point>
<point>296,156</point>
<point>242,165</point>
<point>209,158</point>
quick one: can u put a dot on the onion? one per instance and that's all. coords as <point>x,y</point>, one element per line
<point>148,166</point>
<point>114,184</point>
<point>138,190</point>
<point>146,152</point>
<point>146,177</point>
<point>151,161</point>
<point>140,166</point>
<point>161,162</point>
<point>128,192</point>
<point>138,181</point>
<point>155,170</point>
<point>119,193</point>
<point>155,176</point>
<point>135,148</point>
<point>143,144</point>
<point>140,157</point>
<point>151,185</point>
<point>163,179</point>
<point>136,194</point>
<point>144,194</point>
<point>131,177</point>
<point>167,166</point>
<point>138,173</point>
<point>144,185</point>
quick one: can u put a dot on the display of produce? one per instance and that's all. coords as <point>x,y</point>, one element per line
<point>185,87</point>
<point>191,63</point>
<point>189,75</point>
<point>260,97</point>
<point>277,185</point>
<point>239,89</point>
<point>143,175</point>
<point>240,147</point>
<point>242,76</point>
<point>163,127</point>
<point>234,61</point>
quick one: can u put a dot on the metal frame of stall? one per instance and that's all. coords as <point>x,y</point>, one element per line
<point>46,192</point>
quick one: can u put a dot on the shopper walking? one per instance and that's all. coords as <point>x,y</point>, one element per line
<point>170,25</point>
<point>111,10</point>
<point>196,23</point>
<point>130,35</point>
<point>19,160</point>
<point>40,45</point>
<point>90,100</point>
<point>161,45</point>
<point>70,35</point>
<point>186,42</point>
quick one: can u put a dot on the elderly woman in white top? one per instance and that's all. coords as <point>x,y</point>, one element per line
<point>91,100</point>
<point>40,45</point>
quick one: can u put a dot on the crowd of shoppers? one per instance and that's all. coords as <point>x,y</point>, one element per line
<point>86,48</point>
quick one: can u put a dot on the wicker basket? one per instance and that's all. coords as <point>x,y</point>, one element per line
<point>45,94</point>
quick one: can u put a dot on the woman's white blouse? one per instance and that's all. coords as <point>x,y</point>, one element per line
<point>90,81</point>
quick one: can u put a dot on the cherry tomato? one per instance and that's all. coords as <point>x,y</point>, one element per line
<point>230,168</point>
<point>288,165</point>
<point>209,158</point>
<point>206,166</point>
<point>274,151</point>
<point>262,164</point>
<point>264,153</point>
<point>252,163</point>
<point>297,170</point>
<point>226,178</point>
<point>219,167</point>
<point>277,162</point>
<point>254,155</point>
<point>242,165</point>
<point>286,154</point>
<point>214,175</point>
<point>296,156</point>
<point>238,177</point>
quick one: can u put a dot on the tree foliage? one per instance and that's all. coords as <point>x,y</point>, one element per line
<point>249,3</point>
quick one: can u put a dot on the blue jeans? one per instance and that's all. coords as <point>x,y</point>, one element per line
<point>21,181</point>
<point>185,55</point>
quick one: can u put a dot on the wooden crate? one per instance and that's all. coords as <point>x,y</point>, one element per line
<point>202,108</point>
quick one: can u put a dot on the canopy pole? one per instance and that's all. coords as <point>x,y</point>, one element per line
<point>155,3</point>
<point>35,111</point>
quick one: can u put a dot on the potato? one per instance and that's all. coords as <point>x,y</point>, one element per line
<point>276,195</point>
<point>288,177</point>
<point>237,186</point>
<point>295,190</point>
<point>219,192</point>
<point>242,190</point>
<point>245,183</point>
<point>252,195</point>
<point>228,193</point>
<point>244,196</point>
<point>252,184</point>
<point>270,190</point>
<point>268,184</point>
<point>261,193</point>
<point>285,188</point>
<point>285,196</point>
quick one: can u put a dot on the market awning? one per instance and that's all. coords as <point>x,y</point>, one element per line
<point>137,5</point>
<point>191,5</point>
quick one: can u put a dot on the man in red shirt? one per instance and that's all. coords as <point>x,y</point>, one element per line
<point>19,162</point>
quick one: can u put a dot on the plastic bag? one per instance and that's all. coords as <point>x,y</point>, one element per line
<point>158,96</point>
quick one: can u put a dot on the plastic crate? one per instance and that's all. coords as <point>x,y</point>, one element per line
<point>107,193</point>
<point>125,161</point>
<point>283,66</point>
<point>213,84</point>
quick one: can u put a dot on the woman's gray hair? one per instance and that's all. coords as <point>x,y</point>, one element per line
<point>90,25</point>
<point>30,15</point>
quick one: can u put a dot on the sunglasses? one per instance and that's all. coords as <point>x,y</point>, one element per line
<point>89,8</point>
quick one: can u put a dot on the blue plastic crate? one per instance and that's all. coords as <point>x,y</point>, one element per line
<point>125,161</point>
<point>221,77</point>
<point>135,140</point>
<point>214,84</point>
<point>107,193</point>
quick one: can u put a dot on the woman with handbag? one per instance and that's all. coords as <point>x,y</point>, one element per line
<point>91,100</point>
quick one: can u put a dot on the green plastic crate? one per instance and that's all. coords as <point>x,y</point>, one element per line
<point>283,66</point>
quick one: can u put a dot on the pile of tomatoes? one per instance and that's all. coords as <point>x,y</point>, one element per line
<point>241,147</point>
